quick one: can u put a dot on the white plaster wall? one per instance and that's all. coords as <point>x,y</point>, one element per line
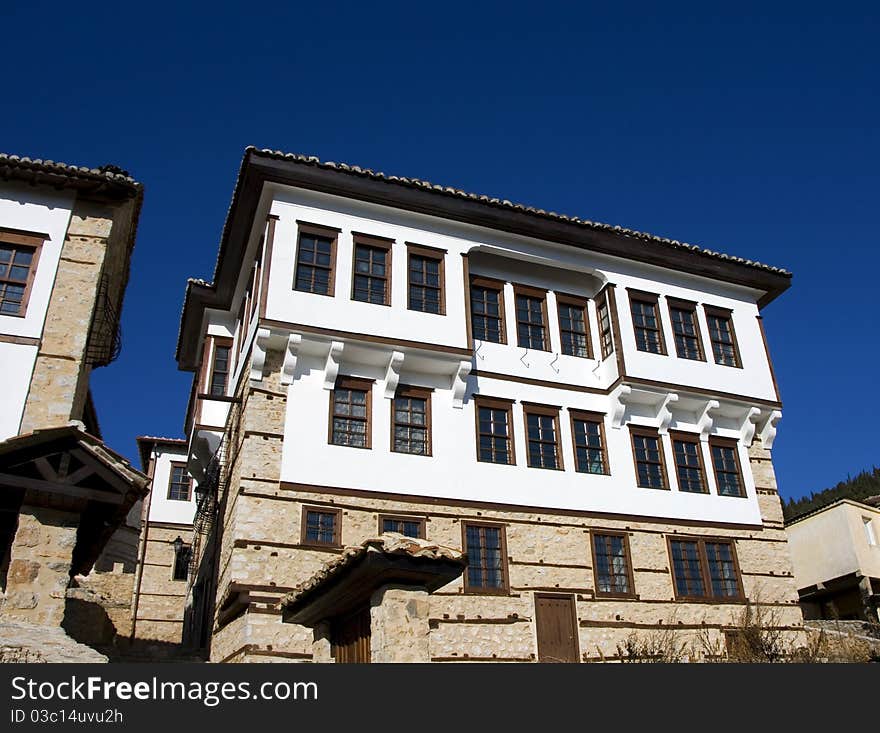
<point>163,509</point>
<point>823,546</point>
<point>453,471</point>
<point>530,262</point>
<point>43,211</point>
<point>16,367</point>
<point>868,555</point>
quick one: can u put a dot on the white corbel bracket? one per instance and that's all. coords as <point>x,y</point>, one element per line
<point>331,366</point>
<point>618,405</point>
<point>392,374</point>
<point>664,414</point>
<point>705,421</point>
<point>258,358</point>
<point>749,423</point>
<point>288,369</point>
<point>768,430</point>
<point>459,384</point>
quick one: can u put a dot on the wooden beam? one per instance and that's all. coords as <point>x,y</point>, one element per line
<point>53,488</point>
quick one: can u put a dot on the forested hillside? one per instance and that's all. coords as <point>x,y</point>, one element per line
<point>866,484</point>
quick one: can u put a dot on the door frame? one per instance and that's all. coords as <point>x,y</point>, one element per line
<point>572,598</point>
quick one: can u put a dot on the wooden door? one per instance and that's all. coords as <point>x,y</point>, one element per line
<point>556,623</point>
<point>350,637</point>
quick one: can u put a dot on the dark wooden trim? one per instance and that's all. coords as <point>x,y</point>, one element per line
<point>593,417</point>
<point>267,265</point>
<point>353,383</point>
<point>577,302</point>
<point>495,403</point>
<point>769,359</point>
<point>505,589</point>
<point>337,527</point>
<point>384,243</point>
<point>20,340</point>
<point>594,532</point>
<point>572,602</point>
<point>215,342</point>
<point>699,390</point>
<point>614,315</point>
<point>527,291</point>
<point>516,508</point>
<point>432,253</point>
<point>701,541</point>
<point>641,430</point>
<point>641,296</point>
<point>332,234</point>
<point>333,333</point>
<point>694,439</point>
<point>486,283</point>
<point>727,314</point>
<point>404,518</point>
<point>20,238</point>
<point>727,443</point>
<point>690,307</point>
<point>545,411</point>
<point>541,382</point>
<point>466,276</point>
<point>173,465</point>
<point>424,393</point>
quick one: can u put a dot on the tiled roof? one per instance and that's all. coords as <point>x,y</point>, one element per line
<point>504,204</point>
<point>15,166</point>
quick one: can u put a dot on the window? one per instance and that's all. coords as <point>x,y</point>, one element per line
<point>869,531</point>
<point>486,551</point>
<point>182,558</point>
<point>646,322</point>
<point>611,565</point>
<point>179,483</point>
<point>685,331</point>
<point>426,279</point>
<point>648,453</point>
<point>350,404</point>
<point>321,527</point>
<point>724,347</point>
<point>487,310</point>
<point>411,418</point>
<point>220,367</point>
<point>606,334</point>
<point>704,569</point>
<point>315,259</point>
<point>531,318</point>
<point>574,330</point>
<point>542,436</point>
<point>371,279</point>
<point>588,434</point>
<point>18,265</point>
<point>688,455</point>
<point>725,461</point>
<point>494,430</point>
<point>407,526</point>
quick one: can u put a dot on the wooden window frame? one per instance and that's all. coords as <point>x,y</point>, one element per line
<point>31,240</point>
<point>223,342</point>
<point>527,291</point>
<point>690,307</point>
<point>604,302</point>
<point>495,403</point>
<point>400,518</point>
<point>353,383</point>
<point>489,284</point>
<point>693,439</point>
<point>715,440</point>
<point>317,230</point>
<point>337,526</point>
<point>189,493</point>
<point>643,297</point>
<point>374,242</point>
<point>640,430</point>
<point>583,303</point>
<point>630,576</point>
<point>531,408</point>
<point>712,311</point>
<point>593,417</point>
<point>704,569</point>
<point>505,572</point>
<point>422,393</point>
<point>433,253</point>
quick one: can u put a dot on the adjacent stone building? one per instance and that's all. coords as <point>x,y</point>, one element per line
<point>66,238</point>
<point>584,413</point>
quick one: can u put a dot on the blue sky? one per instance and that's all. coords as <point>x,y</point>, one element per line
<point>747,128</point>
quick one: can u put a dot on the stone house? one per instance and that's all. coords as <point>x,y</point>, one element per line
<point>836,559</point>
<point>535,434</point>
<point>66,237</point>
